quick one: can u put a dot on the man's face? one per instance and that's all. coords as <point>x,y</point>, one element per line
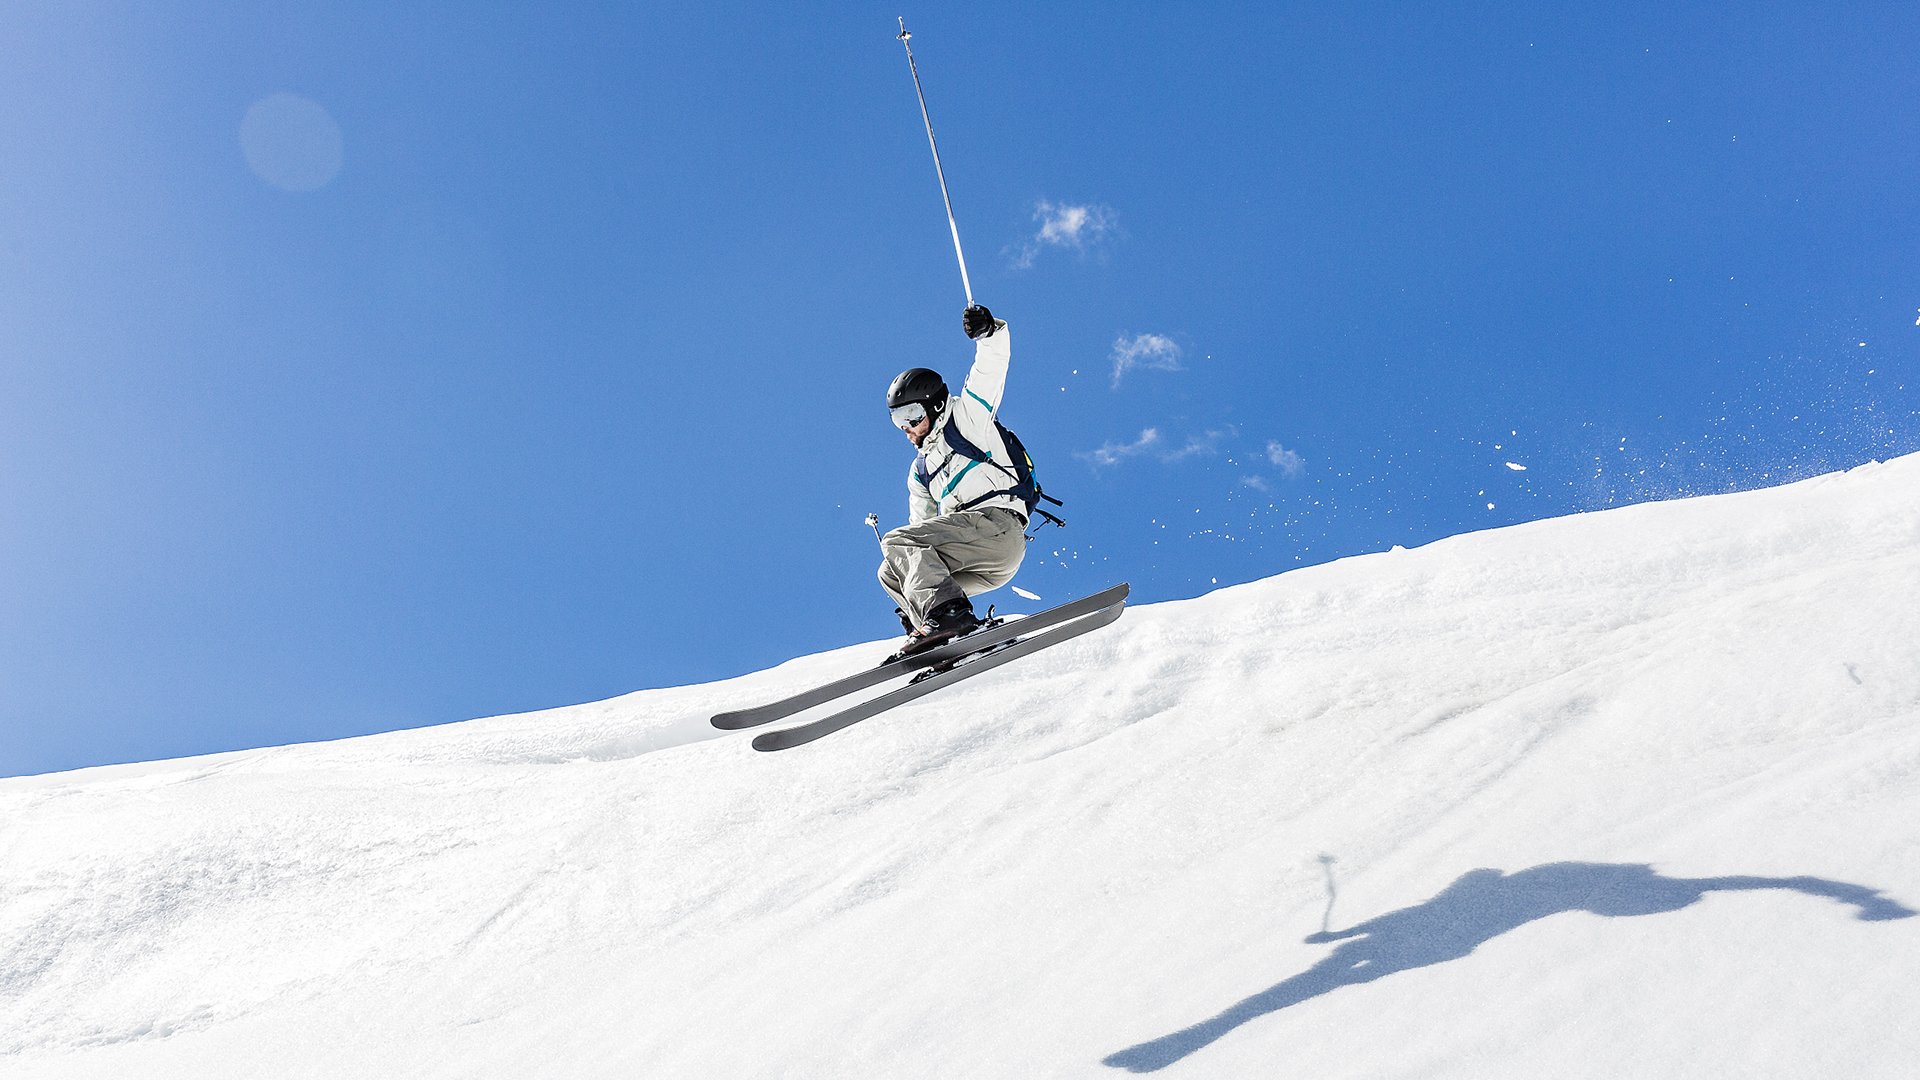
<point>917,432</point>
<point>914,419</point>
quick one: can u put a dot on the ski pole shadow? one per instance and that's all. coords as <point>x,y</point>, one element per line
<point>1480,906</point>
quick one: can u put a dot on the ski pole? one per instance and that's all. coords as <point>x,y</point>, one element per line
<point>873,522</point>
<point>904,37</point>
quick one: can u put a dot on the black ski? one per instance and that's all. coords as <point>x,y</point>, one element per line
<point>993,634</point>
<point>928,681</point>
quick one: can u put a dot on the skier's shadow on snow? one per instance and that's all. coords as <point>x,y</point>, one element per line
<point>1480,906</point>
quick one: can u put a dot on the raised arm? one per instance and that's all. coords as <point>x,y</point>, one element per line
<point>992,351</point>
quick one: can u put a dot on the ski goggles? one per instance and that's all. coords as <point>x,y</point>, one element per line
<point>905,416</point>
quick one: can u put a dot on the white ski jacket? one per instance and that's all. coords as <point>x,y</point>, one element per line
<point>943,479</point>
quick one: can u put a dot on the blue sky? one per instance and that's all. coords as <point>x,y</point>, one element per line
<point>364,368</point>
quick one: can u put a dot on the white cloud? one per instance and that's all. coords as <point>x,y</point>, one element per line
<point>1064,225</point>
<point>1203,445</point>
<point>1115,453</point>
<point>1290,463</point>
<point>1209,443</point>
<point>1072,226</point>
<point>1151,443</point>
<point>1154,352</point>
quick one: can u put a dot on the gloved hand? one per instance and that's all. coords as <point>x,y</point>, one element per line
<point>978,322</point>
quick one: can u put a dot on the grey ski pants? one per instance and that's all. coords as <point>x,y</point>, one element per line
<point>951,556</point>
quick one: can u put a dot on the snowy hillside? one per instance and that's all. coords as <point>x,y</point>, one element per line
<point>1631,794</point>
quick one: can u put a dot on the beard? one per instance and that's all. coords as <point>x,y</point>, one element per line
<point>920,440</point>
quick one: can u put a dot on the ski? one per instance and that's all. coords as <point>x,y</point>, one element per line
<point>928,681</point>
<point>992,634</point>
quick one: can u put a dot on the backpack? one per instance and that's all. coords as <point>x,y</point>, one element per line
<point>1026,486</point>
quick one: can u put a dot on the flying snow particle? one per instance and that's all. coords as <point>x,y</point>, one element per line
<point>1489,506</point>
<point>1024,593</point>
<point>1516,466</point>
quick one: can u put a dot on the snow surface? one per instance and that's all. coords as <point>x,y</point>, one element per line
<point>1628,794</point>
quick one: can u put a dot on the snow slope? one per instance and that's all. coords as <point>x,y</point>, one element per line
<point>1628,794</point>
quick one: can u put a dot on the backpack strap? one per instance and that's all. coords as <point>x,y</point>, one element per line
<point>964,446</point>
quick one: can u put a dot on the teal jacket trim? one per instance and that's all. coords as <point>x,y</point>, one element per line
<point>955,482</point>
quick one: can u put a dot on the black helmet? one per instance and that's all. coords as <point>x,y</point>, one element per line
<point>918,384</point>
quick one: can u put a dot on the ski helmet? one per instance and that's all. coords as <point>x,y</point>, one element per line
<point>921,385</point>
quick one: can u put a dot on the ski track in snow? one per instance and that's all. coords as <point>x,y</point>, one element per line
<point>1623,794</point>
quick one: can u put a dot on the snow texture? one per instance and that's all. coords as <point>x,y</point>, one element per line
<point>1627,794</point>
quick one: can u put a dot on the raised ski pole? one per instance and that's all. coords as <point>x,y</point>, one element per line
<point>904,37</point>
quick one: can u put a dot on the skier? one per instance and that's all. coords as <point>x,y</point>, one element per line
<point>966,528</point>
<point>965,533</point>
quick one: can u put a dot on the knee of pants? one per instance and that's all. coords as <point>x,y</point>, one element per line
<point>895,553</point>
<point>894,543</point>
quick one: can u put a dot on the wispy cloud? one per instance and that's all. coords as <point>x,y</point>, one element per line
<point>1078,228</point>
<point>1115,453</point>
<point>1152,444</point>
<point>1205,444</point>
<point>1291,465</point>
<point>1153,352</point>
<point>1072,226</point>
<point>1213,442</point>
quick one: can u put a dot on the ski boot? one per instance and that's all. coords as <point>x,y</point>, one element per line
<point>950,620</point>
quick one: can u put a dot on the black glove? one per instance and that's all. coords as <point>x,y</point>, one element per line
<point>978,322</point>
